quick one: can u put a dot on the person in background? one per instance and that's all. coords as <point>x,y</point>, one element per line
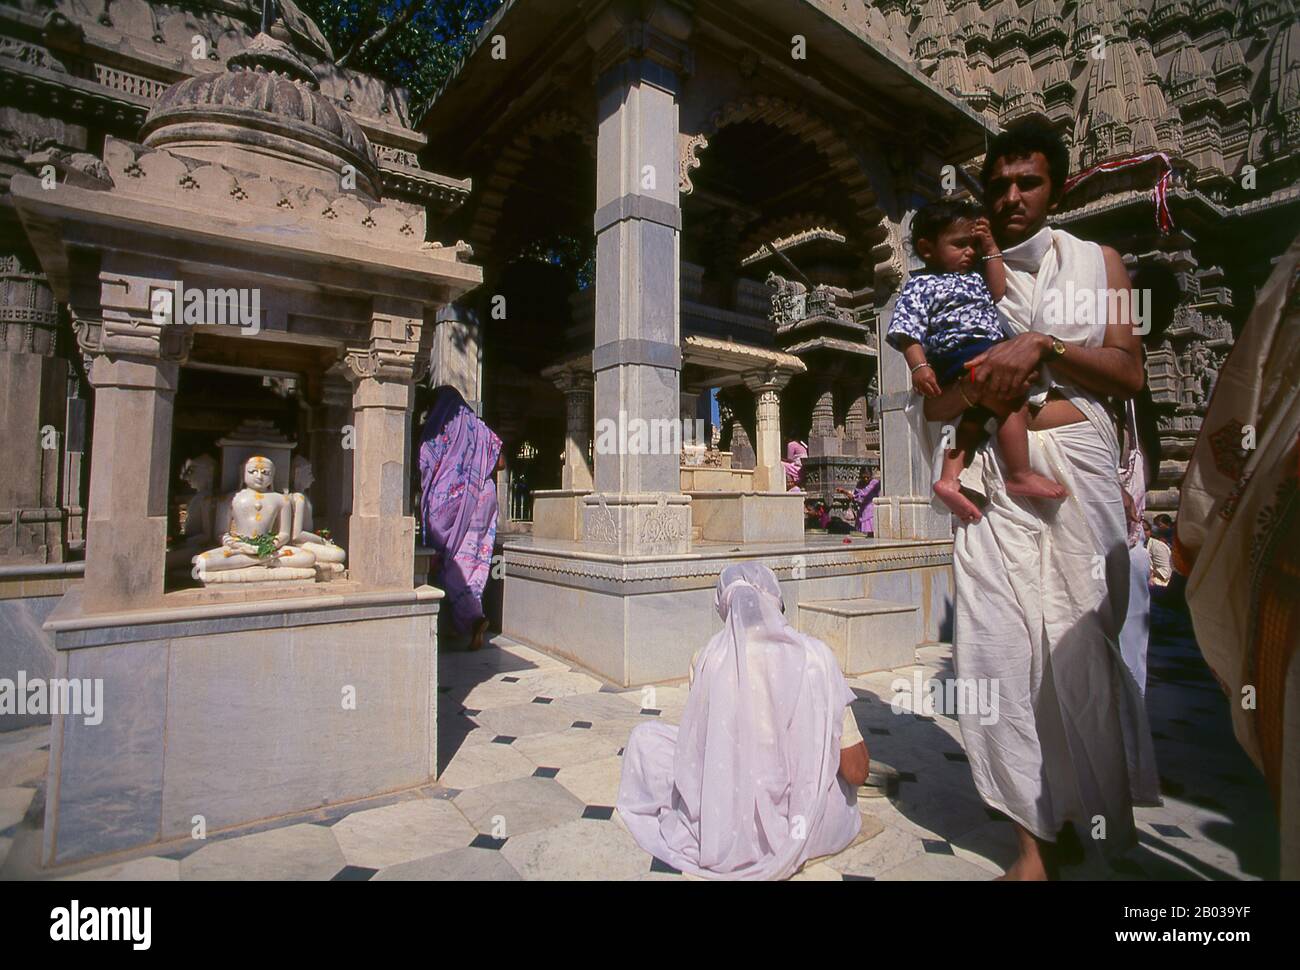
<point>1162,568</point>
<point>1135,635</point>
<point>818,517</point>
<point>1139,436</point>
<point>795,453</point>
<point>459,455</point>
<point>1162,527</point>
<point>863,497</point>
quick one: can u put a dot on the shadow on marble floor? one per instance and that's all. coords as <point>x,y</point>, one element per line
<point>1217,821</point>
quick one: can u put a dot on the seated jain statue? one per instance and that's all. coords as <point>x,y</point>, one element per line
<point>329,557</point>
<point>257,546</point>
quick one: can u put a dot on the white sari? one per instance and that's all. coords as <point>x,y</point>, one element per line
<point>1042,592</point>
<point>748,786</point>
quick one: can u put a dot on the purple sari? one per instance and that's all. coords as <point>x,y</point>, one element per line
<point>458,501</point>
<point>863,498</point>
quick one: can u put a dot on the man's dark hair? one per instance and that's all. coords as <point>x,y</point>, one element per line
<point>1163,519</point>
<point>1022,139</point>
<point>934,218</point>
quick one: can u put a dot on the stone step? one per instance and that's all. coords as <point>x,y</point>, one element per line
<point>864,634</point>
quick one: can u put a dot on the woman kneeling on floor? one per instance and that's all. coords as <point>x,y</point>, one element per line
<point>761,775</point>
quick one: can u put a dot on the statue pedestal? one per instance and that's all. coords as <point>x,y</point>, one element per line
<point>237,710</point>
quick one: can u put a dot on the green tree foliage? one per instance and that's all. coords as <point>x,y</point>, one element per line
<point>412,43</point>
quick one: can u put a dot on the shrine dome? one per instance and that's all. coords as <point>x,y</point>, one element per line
<point>264,108</point>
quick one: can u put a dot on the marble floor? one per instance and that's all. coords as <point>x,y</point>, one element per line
<point>530,753</point>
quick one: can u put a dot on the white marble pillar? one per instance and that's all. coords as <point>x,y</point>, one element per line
<point>135,370</point>
<point>637,506</point>
<point>769,476</point>
<point>457,353</point>
<point>903,510</point>
<point>381,538</point>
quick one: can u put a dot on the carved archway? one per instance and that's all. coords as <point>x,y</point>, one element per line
<point>510,161</point>
<point>841,159</point>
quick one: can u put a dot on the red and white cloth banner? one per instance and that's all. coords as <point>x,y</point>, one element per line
<point>1160,194</point>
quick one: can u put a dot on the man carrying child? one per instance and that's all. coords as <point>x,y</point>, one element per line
<point>1042,576</point>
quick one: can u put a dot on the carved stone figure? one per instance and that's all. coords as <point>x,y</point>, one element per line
<point>257,547</point>
<point>199,473</point>
<point>329,557</point>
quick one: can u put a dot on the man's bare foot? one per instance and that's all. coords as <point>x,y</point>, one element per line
<point>949,493</point>
<point>480,631</point>
<point>1033,485</point>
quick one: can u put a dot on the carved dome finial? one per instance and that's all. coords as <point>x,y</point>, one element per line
<point>268,53</point>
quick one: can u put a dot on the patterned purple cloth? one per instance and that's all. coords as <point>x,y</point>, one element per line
<point>863,499</point>
<point>458,501</point>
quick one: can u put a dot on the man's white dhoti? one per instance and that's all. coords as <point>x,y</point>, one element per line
<point>1041,594</point>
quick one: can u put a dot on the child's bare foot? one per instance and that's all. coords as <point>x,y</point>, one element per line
<point>949,493</point>
<point>1033,485</point>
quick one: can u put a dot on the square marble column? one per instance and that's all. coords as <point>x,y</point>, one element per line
<point>126,540</point>
<point>904,509</point>
<point>381,530</point>
<point>135,366</point>
<point>637,506</point>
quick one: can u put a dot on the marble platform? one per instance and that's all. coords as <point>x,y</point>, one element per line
<point>530,756</point>
<point>226,713</point>
<point>28,594</point>
<point>637,620</point>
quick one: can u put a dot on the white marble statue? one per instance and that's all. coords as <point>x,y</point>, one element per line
<point>257,546</point>
<point>199,473</point>
<point>329,557</point>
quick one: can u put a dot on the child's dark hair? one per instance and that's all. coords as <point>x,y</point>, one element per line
<point>934,218</point>
<point>1022,139</point>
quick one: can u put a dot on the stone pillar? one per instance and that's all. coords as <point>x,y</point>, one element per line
<point>822,439</point>
<point>135,367</point>
<point>332,441</point>
<point>637,505</point>
<point>503,487</point>
<point>381,551</point>
<point>577,388</point>
<point>903,510</point>
<point>766,386</point>
<point>457,352</point>
<point>32,401</point>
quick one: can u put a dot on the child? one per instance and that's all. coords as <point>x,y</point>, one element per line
<point>946,317</point>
